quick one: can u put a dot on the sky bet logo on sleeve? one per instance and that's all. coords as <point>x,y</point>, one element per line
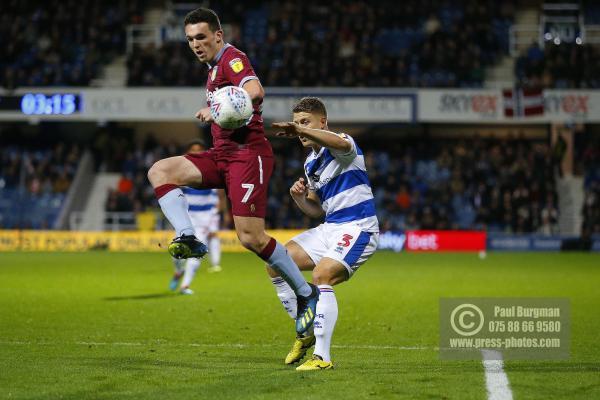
<point>236,65</point>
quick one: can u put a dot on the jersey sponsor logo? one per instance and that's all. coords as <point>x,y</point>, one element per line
<point>236,65</point>
<point>317,179</point>
<point>213,74</point>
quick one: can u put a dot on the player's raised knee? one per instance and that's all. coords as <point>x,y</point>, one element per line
<point>171,170</point>
<point>157,173</point>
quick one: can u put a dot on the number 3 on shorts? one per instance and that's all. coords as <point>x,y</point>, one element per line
<point>249,188</point>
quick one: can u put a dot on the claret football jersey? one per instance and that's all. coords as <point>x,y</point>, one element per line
<point>231,67</point>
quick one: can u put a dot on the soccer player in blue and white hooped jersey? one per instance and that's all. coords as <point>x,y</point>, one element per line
<point>336,187</point>
<point>204,209</point>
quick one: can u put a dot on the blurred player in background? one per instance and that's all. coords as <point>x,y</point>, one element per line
<point>241,161</point>
<point>205,208</point>
<point>337,188</point>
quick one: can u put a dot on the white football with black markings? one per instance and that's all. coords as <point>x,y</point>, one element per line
<point>231,107</point>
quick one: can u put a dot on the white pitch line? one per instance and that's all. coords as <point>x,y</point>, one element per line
<point>496,381</point>
<point>381,347</point>
<point>125,344</point>
<point>214,345</point>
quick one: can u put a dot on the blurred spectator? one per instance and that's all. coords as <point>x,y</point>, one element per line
<point>403,198</point>
<point>125,185</point>
<point>62,183</point>
<point>591,208</point>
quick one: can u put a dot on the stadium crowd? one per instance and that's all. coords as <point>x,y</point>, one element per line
<point>502,185</point>
<point>589,157</point>
<point>58,42</point>
<point>559,67</point>
<point>421,44</point>
<point>34,181</point>
<point>115,151</point>
<point>360,44</point>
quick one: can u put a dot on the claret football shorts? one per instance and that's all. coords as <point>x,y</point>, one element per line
<point>244,174</point>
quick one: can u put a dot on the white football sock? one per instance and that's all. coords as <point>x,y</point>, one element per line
<point>214,250</point>
<point>191,266</point>
<point>179,264</point>
<point>286,296</point>
<point>327,313</point>
<point>175,207</point>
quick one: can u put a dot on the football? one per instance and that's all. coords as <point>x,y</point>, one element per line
<point>231,107</point>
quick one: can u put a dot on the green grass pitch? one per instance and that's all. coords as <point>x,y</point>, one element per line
<point>104,326</point>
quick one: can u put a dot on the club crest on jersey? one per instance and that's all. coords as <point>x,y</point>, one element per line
<point>236,65</point>
<point>213,74</point>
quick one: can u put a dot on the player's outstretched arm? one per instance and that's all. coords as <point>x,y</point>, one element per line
<point>322,137</point>
<point>306,199</point>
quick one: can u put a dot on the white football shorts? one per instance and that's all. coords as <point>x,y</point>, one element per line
<point>346,243</point>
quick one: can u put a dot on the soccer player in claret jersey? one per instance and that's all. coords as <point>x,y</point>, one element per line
<point>336,187</point>
<point>241,161</point>
<point>205,207</point>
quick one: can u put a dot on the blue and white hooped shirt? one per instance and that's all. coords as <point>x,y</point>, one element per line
<point>201,200</point>
<point>342,184</point>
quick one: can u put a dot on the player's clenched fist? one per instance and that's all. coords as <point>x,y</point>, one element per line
<point>299,188</point>
<point>204,115</point>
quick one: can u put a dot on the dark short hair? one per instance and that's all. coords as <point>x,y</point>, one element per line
<point>196,142</point>
<point>203,15</point>
<point>310,105</point>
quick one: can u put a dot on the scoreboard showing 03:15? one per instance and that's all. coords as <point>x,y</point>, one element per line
<point>42,103</point>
